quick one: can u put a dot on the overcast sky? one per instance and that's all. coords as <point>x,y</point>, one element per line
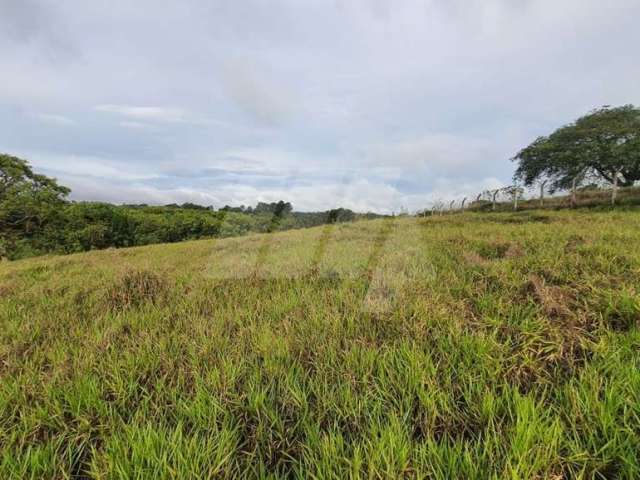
<point>367,104</point>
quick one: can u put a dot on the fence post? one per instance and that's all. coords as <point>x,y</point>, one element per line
<point>493,199</point>
<point>614,192</point>
<point>542,185</point>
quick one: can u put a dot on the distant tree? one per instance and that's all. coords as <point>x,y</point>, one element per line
<point>193,206</point>
<point>228,208</point>
<point>27,200</point>
<point>279,208</point>
<point>340,215</point>
<point>604,144</point>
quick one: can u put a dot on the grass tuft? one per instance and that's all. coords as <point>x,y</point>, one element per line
<point>134,289</point>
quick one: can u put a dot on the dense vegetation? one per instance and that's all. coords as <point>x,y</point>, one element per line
<point>37,218</point>
<point>463,346</point>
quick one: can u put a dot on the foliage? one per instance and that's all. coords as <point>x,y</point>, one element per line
<point>464,346</point>
<point>36,218</point>
<point>29,202</point>
<point>262,207</point>
<point>602,144</point>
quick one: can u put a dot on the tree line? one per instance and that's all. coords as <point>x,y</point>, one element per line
<point>600,150</point>
<point>36,217</point>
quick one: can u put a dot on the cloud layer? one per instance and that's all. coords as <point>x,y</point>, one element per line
<point>366,104</point>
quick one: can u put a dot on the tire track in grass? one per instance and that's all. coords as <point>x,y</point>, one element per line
<point>377,300</point>
<point>321,247</point>
<point>265,246</point>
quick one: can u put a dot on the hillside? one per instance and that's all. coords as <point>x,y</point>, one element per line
<point>475,345</point>
<point>588,197</point>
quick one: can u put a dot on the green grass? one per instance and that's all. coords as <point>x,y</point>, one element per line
<point>463,346</point>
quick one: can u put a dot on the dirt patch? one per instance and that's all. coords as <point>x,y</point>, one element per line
<point>574,242</point>
<point>519,218</point>
<point>552,354</point>
<point>493,250</point>
<point>6,290</point>
<point>621,311</point>
<point>485,252</point>
<point>514,251</point>
<point>472,258</point>
<point>554,300</point>
<point>551,351</point>
<point>136,288</point>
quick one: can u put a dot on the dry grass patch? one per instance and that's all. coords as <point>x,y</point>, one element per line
<point>472,258</point>
<point>6,290</point>
<point>136,288</point>
<point>555,301</point>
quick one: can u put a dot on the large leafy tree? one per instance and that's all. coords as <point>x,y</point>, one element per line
<point>27,200</point>
<point>604,144</point>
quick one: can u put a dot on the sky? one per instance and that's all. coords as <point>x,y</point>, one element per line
<point>367,104</point>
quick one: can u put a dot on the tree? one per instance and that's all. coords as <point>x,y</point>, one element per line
<point>27,201</point>
<point>279,208</point>
<point>603,144</point>
<point>340,215</point>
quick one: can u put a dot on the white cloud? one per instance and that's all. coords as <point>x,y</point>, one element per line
<point>437,152</point>
<point>72,166</point>
<point>405,102</point>
<point>136,125</point>
<point>54,119</point>
<point>159,114</point>
<point>267,103</point>
<point>97,179</point>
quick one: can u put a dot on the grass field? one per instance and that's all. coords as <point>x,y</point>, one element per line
<point>463,346</point>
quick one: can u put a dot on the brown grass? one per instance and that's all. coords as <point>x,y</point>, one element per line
<point>555,301</point>
<point>5,290</point>
<point>136,288</point>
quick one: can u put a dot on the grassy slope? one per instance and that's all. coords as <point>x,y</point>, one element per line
<point>589,198</point>
<point>469,346</point>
